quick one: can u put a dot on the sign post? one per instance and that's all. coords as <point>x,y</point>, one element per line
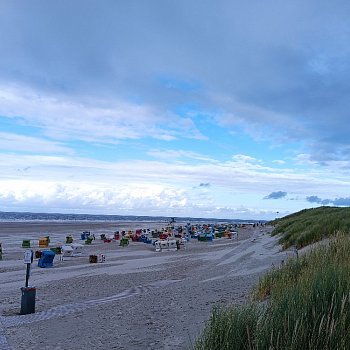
<point>28,259</point>
<point>28,293</point>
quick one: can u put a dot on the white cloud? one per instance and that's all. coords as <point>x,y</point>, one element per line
<point>22,143</point>
<point>156,187</point>
<point>304,159</point>
<point>88,196</point>
<point>178,154</point>
<point>238,175</point>
<point>242,158</point>
<point>134,199</point>
<point>88,119</point>
<point>279,161</point>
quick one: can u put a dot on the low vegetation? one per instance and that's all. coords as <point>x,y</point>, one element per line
<point>311,225</point>
<point>304,304</point>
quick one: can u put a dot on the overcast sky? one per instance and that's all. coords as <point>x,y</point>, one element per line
<point>224,109</point>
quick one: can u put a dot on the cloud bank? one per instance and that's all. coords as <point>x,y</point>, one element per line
<point>341,202</point>
<point>201,106</point>
<point>109,78</point>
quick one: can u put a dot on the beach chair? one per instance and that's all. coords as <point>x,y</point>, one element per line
<point>93,259</point>
<point>172,246</point>
<point>67,251</point>
<point>43,242</point>
<point>26,243</point>
<point>77,249</point>
<point>85,235</point>
<point>46,259</point>
<point>56,250</point>
<point>163,236</point>
<point>163,245</point>
<point>157,246</point>
<point>101,258</point>
<point>124,242</point>
<point>209,237</point>
<point>89,240</point>
<point>69,239</point>
<point>103,236</point>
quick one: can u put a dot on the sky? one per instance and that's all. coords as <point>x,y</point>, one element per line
<point>218,109</point>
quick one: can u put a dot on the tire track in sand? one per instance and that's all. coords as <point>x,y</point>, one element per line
<point>63,310</point>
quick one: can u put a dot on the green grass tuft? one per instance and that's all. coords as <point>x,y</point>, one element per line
<point>231,325</point>
<point>307,307</point>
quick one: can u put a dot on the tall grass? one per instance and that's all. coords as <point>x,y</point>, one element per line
<point>231,325</point>
<point>307,307</point>
<point>311,225</point>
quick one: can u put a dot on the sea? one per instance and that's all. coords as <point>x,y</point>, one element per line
<point>28,216</point>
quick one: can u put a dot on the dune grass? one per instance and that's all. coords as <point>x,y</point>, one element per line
<point>228,327</point>
<point>305,304</point>
<point>311,225</point>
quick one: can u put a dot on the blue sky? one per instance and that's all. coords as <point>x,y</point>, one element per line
<point>180,108</point>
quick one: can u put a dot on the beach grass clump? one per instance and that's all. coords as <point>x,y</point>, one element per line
<point>276,278</point>
<point>307,306</point>
<point>231,325</point>
<point>311,225</point>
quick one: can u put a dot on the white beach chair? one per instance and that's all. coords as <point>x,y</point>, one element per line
<point>172,245</point>
<point>157,246</point>
<point>101,258</point>
<point>163,245</point>
<point>67,251</point>
<point>77,249</point>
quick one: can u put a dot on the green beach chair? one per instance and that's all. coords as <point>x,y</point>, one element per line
<point>89,240</point>
<point>124,242</point>
<point>56,250</point>
<point>26,243</point>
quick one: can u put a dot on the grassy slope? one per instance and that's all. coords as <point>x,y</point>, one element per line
<point>308,298</point>
<point>311,225</point>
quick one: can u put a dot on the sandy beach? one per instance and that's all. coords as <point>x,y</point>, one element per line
<point>136,299</point>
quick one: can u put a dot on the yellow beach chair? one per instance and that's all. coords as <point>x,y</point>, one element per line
<point>43,242</point>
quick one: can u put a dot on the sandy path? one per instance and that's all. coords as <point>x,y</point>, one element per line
<point>138,299</point>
